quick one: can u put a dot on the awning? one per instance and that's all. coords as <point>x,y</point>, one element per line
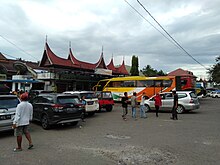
<point>23,81</point>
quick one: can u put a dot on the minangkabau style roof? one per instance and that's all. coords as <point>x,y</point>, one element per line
<point>51,59</point>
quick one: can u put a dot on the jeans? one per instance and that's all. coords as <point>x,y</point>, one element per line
<point>134,112</point>
<point>142,111</point>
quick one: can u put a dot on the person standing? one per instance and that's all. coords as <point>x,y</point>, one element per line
<point>124,101</point>
<point>142,106</point>
<point>84,108</point>
<point>23,116</point>
<point>157,103</point>
<point>134,105</point>
<point>175,105</point>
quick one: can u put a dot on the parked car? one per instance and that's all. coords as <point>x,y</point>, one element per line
<point>52,108</point>
<point>209,91</point>
<point>8,104</point>
<point>92,103</point>
<point>105,100</point>
<point>34,93</point>
<point>216,94</point>
<point>187,101</point>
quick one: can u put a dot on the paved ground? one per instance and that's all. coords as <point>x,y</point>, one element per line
<point>106,139</point>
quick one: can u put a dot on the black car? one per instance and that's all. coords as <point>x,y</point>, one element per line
<point>53,108</point>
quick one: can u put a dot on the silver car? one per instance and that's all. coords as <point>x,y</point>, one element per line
<point>8,104</point>
<point>187,101</point>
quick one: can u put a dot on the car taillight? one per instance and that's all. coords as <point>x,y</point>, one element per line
<point>57,107</point>
<point>191,101</point>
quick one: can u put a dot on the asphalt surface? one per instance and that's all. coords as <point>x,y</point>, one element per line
<point>106,139</point>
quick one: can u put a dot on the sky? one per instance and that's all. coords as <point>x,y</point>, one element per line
<point>118,28</point>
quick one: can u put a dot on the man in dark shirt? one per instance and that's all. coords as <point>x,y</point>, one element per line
<point>124,101</point>
<point>175,105</point>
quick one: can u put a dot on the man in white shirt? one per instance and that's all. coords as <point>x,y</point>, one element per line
<point>23,116</point>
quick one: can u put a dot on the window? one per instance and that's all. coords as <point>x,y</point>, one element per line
<point>168,96</point>
<point>167,83</point>
<point>8,102</point>
<point>68,100</point>
<point>181,95</point>
<point>128,83</point>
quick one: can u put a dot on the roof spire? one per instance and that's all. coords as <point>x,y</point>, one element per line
<point>46,39</point>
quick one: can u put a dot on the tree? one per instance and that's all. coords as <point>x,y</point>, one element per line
<point>134,67</point>
<point>214,71</point>
<point>149,71</point>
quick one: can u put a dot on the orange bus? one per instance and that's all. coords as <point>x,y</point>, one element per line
<point>138,84</point>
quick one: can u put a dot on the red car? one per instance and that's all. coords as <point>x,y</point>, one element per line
<point>105,100</point>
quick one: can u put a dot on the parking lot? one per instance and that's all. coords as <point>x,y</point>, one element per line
<point>107,139</point>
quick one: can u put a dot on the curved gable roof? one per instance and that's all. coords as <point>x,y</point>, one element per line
<point>101,62</point>
<point>49,58</point>
<point>111,66</point>
<point>122,69</point>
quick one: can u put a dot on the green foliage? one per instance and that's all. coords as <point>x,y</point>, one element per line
<point>149,71</point>
<point>214,71</point>
<point>134,67</point>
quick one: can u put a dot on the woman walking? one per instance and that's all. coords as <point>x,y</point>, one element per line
<point>157,103</point>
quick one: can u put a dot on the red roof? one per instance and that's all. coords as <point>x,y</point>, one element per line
<point>111,66</point>
<point>2,57</point>
<point>181,72</point>
<point>49,58</point>
<point>122,69</point>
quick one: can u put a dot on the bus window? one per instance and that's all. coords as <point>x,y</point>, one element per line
<point>129,84</point>
<point>167,83</point>
<point>141,83</point>
<point>101,85</point>
<point>158,83</point>
<point>149,83</point>
<point>115,84</point>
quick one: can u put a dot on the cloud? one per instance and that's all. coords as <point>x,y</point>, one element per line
<point>89,25</point>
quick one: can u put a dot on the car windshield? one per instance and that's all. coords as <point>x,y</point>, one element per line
<point>8,102</point>
<point>68,100</point>
<point>88,95</point>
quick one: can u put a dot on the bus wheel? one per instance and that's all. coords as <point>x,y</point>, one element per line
<point>180,109</point>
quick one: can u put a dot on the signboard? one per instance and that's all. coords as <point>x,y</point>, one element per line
<point>103,71</point>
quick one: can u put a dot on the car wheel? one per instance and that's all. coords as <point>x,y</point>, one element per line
<point>44,122</point>
<point>180,109</point>
<point>74,123</point>
<point>109,108</point>
<point>216,96</point>
<point>147,108</point>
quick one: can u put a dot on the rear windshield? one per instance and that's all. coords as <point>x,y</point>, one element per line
<point>107,95</point>
<point>193,95</point>
<point>88,95</point>
<point>8,102</point>
<point>68,100</point>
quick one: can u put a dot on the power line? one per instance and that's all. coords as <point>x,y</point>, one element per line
<point>18,47</point>
<point>9,55</point>
<point>150,23</point>
<point>171,36</point>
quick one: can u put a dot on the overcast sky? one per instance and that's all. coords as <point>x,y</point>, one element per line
<point>113,24</point>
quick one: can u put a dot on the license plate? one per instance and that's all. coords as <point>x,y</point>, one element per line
<point>69,109</point>
<point>5,117</point>
<point>89,102</point>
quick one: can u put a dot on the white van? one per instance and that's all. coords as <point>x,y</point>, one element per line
<point>92,103</point>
